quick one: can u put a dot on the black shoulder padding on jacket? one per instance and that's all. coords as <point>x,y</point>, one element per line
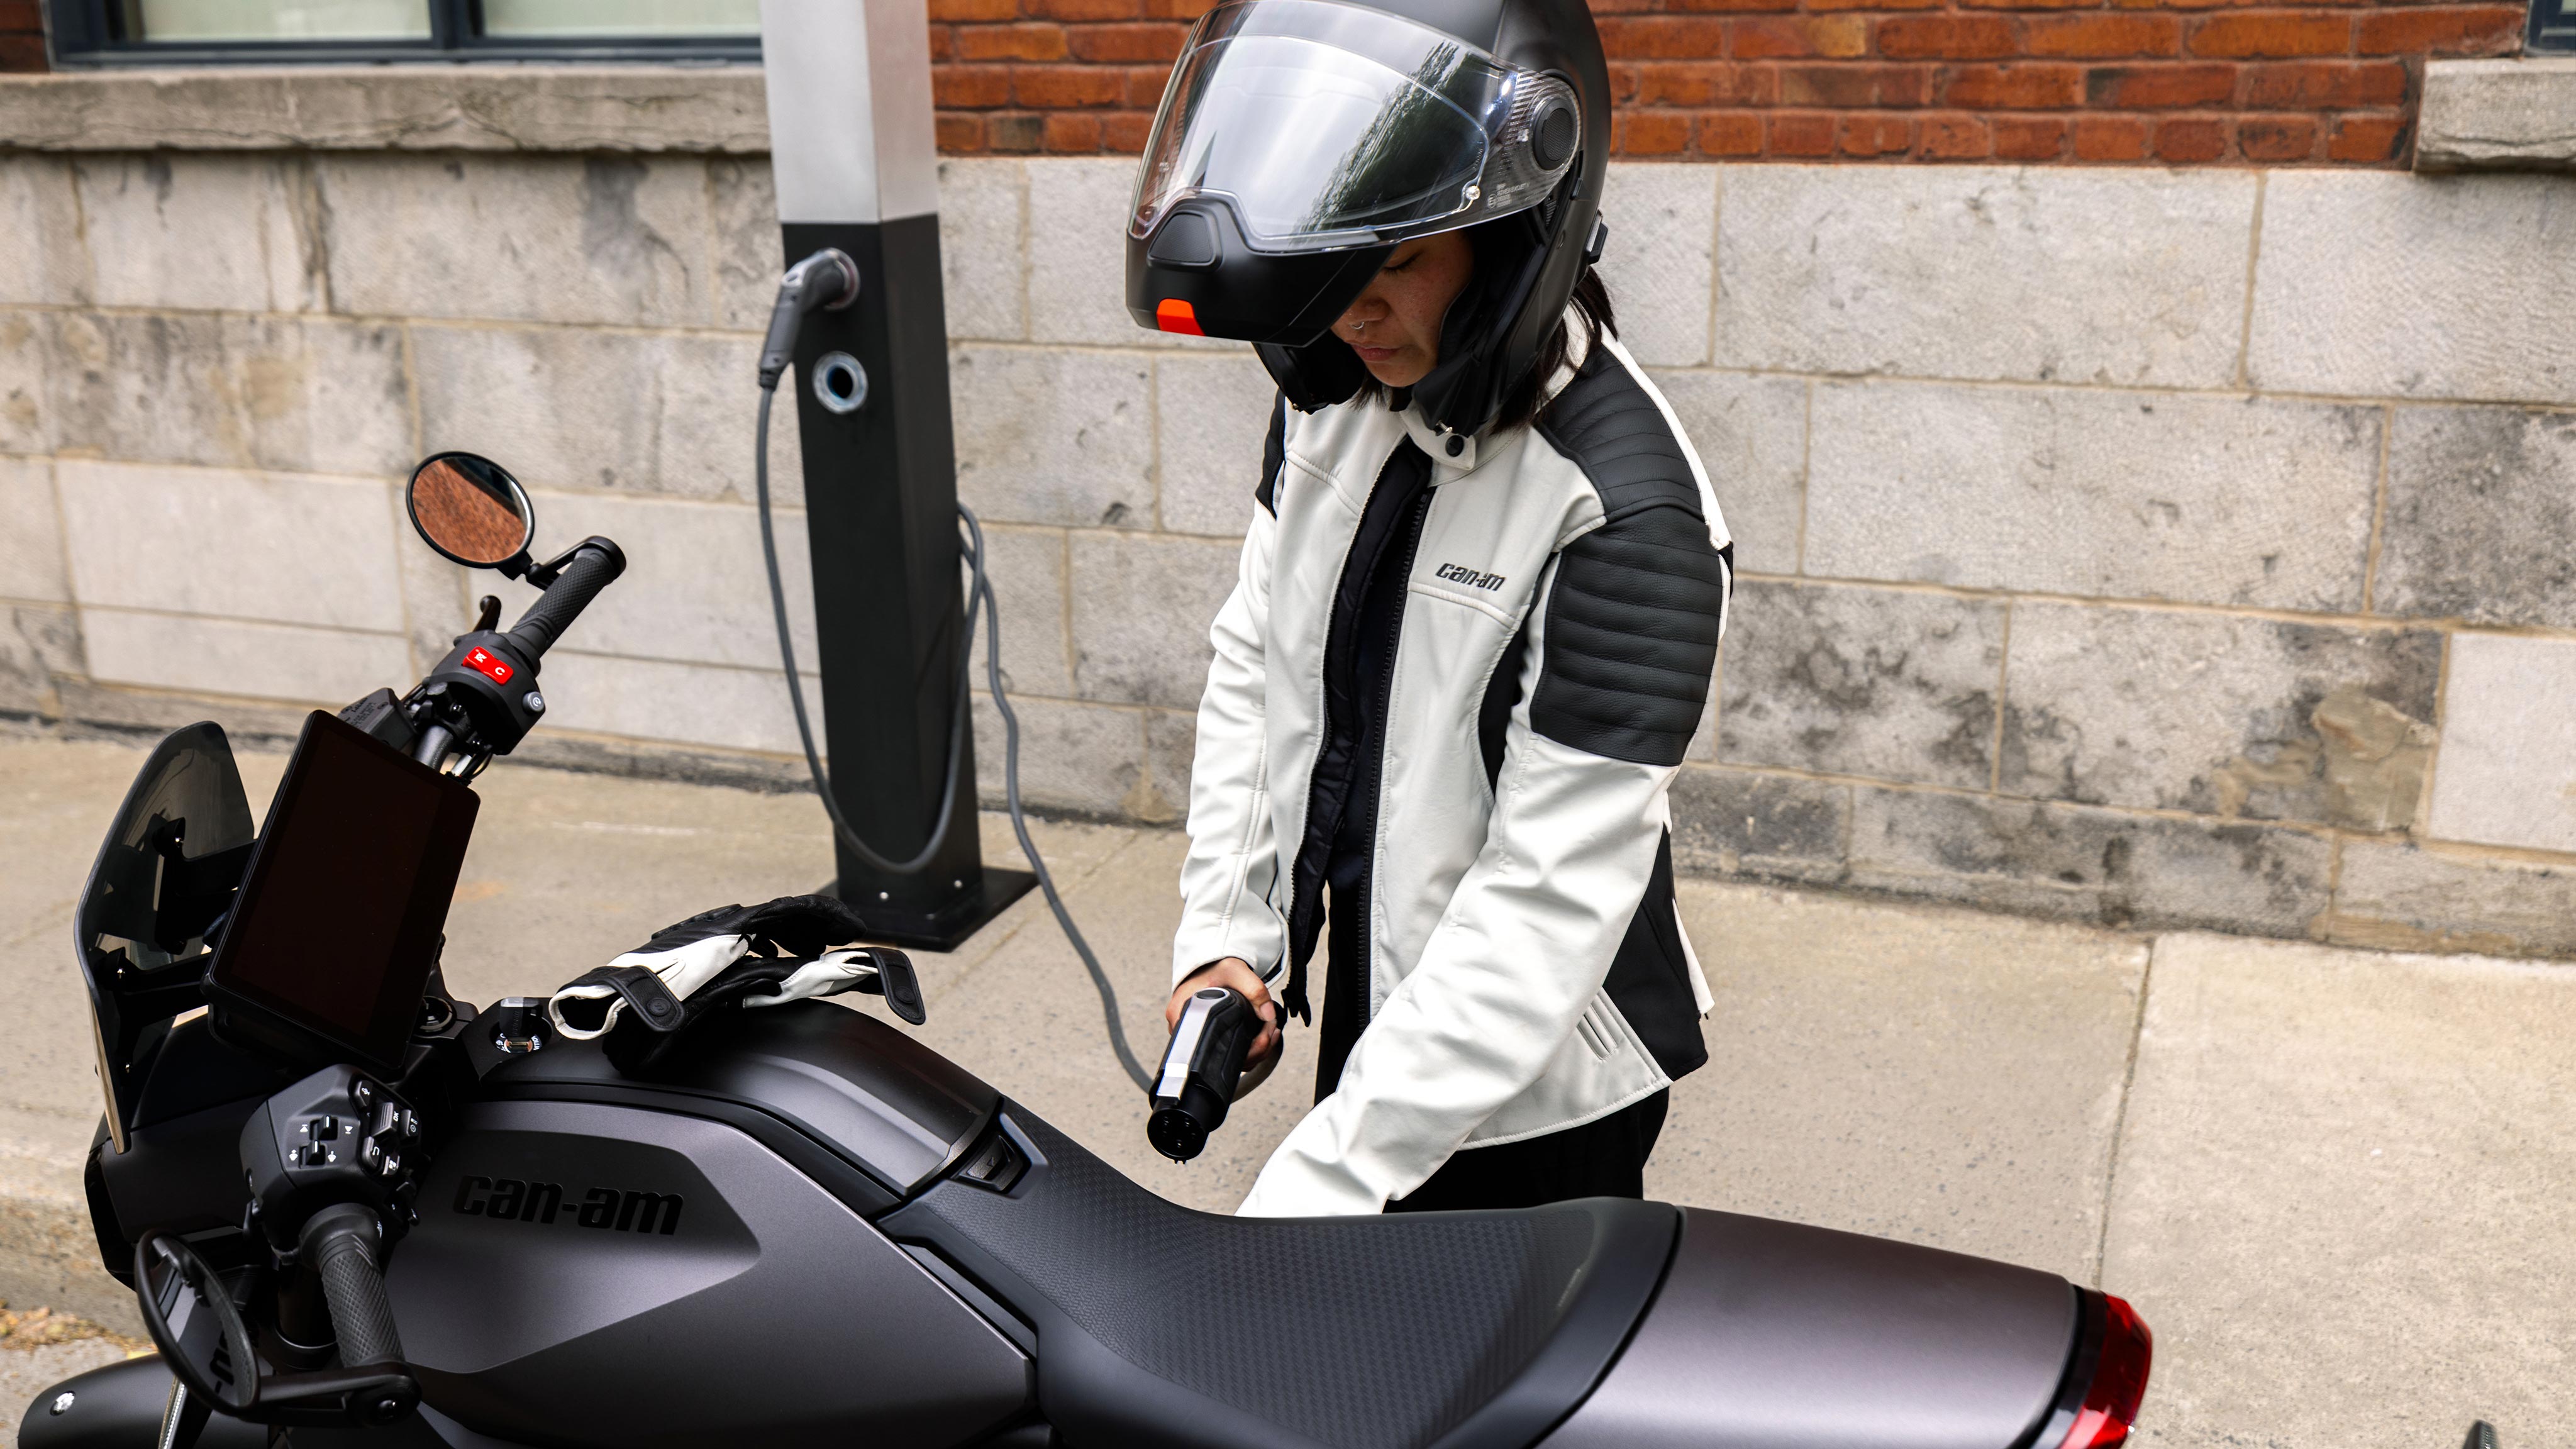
<point>1614,432</point>
<point>1274,454</point>
<point>1632,623</point>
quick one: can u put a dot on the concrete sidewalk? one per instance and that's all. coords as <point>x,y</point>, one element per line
<point>2340,1185</point>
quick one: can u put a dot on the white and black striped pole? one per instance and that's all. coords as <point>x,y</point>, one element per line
<point>853,150</point>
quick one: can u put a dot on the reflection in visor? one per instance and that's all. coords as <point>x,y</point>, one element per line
<point>1418,148</point>
<point>1308,140</point>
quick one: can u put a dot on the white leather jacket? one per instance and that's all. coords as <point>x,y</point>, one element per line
<point>1559,627</point>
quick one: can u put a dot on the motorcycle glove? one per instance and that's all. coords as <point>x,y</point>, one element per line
<point>751,956</point>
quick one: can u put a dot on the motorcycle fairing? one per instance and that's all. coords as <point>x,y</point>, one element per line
<point>741,1304</point>
<point>163,875</point>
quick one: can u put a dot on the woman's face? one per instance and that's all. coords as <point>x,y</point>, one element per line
<point>1395,324</point>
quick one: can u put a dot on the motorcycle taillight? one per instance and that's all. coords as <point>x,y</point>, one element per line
<point>2119,1380</point>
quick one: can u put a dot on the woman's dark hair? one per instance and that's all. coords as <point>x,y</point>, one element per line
<point>1591,305</point>
<point>1502,248</point>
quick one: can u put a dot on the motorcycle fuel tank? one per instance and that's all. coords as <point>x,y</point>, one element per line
<point>858,1105</point>
<point>593,1274</point>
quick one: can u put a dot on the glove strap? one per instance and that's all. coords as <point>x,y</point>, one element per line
<point>649,1001</point>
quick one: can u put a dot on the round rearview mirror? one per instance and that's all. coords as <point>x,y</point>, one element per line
<point>472,511</point>
<point>203,1340</point>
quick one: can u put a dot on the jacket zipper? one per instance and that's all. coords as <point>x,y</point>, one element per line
<point>1303,896</point>
<point>1369,773</point>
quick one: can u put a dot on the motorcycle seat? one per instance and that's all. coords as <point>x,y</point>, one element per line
<point>1165,1328</point>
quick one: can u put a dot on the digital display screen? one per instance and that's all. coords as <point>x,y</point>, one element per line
<point>337,924</point>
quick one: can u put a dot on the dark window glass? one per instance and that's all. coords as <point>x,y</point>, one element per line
<point>195,32</point>
<point>2553,25</point>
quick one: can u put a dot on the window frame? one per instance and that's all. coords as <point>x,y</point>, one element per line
<point>2553,28</point>
<point>84,34</point>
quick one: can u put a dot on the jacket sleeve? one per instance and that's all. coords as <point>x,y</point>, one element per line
<point>1226,878</point>
<point>1624,643</point>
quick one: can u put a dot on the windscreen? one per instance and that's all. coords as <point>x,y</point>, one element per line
<point>1334,125</point>
<point>163,876</point>
<point>337,927</point>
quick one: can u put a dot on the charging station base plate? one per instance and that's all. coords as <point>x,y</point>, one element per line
<point>952,927</point>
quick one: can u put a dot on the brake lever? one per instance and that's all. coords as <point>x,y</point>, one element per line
<point>372,1395</point>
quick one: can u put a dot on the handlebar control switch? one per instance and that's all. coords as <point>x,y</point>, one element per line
<point>334,1138</point>
<point>484,693</point>
<point>1201,1071</point>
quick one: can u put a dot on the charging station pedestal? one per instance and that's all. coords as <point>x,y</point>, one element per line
<point>855,156</point>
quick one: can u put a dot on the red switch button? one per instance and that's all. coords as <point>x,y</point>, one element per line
<point>484,661</point>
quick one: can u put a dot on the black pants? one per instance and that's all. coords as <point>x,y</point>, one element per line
<point>1601,1158</point>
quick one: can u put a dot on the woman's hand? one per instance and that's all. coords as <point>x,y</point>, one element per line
<point>1236,972</point>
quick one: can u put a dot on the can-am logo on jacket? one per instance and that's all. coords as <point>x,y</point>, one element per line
<point>1461,574</point>
<point>511,1200</point>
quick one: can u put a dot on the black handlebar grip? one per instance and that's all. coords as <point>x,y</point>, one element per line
<point>340,1243</point>
<point>1201,1070</point>
<point>595,565</point>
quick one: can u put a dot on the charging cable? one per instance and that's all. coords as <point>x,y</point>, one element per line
<point>829,279</point>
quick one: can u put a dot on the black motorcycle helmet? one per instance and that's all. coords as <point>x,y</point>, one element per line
<point>1300,141</point>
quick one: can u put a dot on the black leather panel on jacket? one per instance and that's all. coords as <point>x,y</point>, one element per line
<point>1164,1328</point>
<point>1390,525</point>
<point>1613,431</point>
<point>1350,869</point>
<point>1632,630</point>
<point>1274,456</point>
<point>1502,696</point>
<point>1650,977</point>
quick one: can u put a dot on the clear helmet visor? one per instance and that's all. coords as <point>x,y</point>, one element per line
<point>1330,125</point>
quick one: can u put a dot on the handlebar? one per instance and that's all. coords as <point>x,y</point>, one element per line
<point>594,566</point>
<point>1201,1070</point>
<point>340,1243</point>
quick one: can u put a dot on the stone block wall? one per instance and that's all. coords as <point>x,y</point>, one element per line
<point>2172,548</point>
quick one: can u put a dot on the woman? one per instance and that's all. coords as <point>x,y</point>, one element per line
<point>1477,612</point>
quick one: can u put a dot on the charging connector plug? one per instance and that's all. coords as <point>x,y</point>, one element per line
<point>827,280</point>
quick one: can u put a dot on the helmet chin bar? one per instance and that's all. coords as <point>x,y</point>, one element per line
<point>1198,276</point>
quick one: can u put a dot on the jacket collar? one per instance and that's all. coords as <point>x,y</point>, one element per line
<point>1451,453</point>
<point>1448,464</point>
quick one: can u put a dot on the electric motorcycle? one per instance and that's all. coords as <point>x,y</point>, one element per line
<point>357,1210</point>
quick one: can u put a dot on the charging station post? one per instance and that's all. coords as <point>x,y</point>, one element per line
<point>854,154</point>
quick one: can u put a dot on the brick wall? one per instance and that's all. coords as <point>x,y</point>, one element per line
<point>22,35</point>
<point>2180,82</point>
<point>2087,81</point>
